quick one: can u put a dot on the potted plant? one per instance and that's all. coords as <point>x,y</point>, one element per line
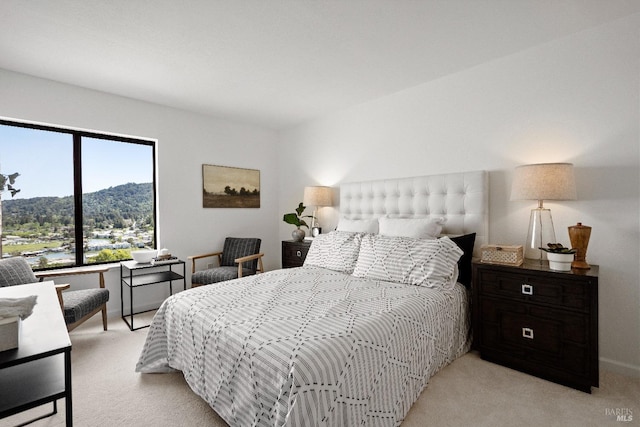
<point>6,183</point>
<point>295,218</point>
<point>560,258</point>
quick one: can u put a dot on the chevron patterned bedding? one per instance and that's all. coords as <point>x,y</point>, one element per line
<point>308,346</point>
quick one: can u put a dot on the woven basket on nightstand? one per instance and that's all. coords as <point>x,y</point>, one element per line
<point>502,254</point>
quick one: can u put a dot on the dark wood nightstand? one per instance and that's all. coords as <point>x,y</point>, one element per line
<point>294,253</point>
<point>538,321</point>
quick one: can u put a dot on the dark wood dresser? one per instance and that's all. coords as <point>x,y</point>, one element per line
<point>294,253</point>
<point>538,321</point>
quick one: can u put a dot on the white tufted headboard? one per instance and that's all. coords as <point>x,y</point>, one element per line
<point>462,198</point>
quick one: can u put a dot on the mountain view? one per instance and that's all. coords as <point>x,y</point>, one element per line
<point>117,219</point>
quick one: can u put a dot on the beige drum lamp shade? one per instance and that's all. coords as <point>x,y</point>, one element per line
<point>318,196</point>
<point>543,181</point>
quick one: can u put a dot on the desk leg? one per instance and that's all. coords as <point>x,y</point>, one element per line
<point>67,388</point>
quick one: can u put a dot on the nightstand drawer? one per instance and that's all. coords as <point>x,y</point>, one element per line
<point>294,253</point>
<point>558,292</point>
<point>528,334</point>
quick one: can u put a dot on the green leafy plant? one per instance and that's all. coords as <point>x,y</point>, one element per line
<point>6,183</point>
<point>557,248</point>
<point>9,186</point>
<point>295,218</point>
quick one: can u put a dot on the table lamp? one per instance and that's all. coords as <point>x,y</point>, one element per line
<point>544,181</point>
<point>317,197</point>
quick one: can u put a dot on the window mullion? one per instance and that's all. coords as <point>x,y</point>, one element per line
<point>77,198</point>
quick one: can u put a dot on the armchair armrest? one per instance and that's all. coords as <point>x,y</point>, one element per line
<point>59,289</point>
<point>74,272</point>
<point>250,258</point>
<point>193,259</point>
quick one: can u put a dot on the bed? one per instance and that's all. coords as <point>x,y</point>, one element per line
<point>353,336</point>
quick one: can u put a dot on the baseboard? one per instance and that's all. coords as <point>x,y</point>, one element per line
<point>625,369</point>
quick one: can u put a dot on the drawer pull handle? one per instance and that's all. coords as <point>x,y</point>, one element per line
<point>527,333</point>
<point>527,289</point>
<point>299,254</point>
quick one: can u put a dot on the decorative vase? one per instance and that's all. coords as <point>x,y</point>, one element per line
<point>298,235</point>
<point>579,235</point>
<point>560,262</point>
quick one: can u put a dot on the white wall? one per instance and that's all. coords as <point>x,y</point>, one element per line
<point>575,100</point>
<point>185,142</point>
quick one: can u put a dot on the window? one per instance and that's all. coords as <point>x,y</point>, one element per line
<point>80,197</point>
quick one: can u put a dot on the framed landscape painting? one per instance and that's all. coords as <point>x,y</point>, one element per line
<point>229,187</point>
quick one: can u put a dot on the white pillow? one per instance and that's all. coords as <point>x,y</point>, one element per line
<point>422,262</point>
<point>420,228</point>
<point>337,250</point>
<point>358,225</point>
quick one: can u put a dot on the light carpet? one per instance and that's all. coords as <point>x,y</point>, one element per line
<point>469,392</point>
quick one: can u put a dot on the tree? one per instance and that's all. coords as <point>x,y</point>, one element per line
<point>43,262</point>
<point>6,183</point>
<point>108,255</point>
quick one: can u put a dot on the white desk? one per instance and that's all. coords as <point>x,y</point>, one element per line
<point>39,370</point>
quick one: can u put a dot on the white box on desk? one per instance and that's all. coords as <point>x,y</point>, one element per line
<point>9,332</point>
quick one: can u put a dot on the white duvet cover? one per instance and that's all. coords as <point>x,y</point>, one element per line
<point>308,346</point>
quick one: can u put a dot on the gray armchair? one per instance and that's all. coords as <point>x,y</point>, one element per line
<point>239,257</point>
<point>77,306</point>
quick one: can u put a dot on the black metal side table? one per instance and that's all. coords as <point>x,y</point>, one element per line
<point>134,275</point>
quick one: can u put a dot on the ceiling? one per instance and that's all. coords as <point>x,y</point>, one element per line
<point>276,63</point>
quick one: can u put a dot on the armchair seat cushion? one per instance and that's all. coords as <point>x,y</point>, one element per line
<point>78,304</point>
<point>219,274</point>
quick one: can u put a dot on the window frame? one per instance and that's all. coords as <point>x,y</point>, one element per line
<point>77,135</point>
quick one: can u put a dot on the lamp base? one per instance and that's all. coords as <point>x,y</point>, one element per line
<point>540,233</point>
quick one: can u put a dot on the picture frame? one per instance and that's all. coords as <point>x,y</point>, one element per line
<point>230,187</point>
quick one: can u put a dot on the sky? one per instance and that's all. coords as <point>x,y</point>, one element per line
<point>44,161</point>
